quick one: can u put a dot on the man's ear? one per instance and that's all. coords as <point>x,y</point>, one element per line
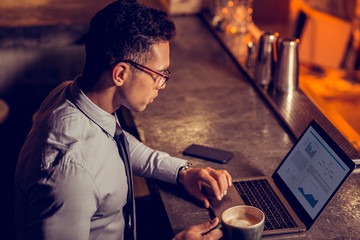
<point>120,73</point>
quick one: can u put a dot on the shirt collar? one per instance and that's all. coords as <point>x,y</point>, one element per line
<point>102,118</point>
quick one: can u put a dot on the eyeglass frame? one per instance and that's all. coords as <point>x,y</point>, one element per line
<point>166,77</point>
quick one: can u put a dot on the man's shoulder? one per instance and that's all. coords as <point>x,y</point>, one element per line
<point>63,119</point>
<point>62,132</point>
<point>63,141</point>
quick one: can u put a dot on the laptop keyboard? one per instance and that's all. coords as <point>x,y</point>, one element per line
<point>258,193</point>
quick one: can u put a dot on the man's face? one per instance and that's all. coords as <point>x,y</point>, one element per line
<point>141,89</point>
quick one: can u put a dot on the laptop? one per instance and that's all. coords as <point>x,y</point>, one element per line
<point>303,184</point>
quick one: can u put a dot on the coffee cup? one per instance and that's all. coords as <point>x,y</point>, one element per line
<point>243,222</point>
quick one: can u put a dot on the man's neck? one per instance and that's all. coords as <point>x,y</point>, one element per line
<point>103,99</point>
<point>102,94</point>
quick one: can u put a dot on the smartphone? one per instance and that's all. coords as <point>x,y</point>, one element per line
<point>208,153</point>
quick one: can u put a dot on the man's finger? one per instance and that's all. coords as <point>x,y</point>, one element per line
<point>221,177</point>
<point>196,193</point>
<point>211,233</point>
<point>229,178</point>
<point>223,182</point>
<point>211,179</point>
<point>214,235</point>
<point>204,228</point>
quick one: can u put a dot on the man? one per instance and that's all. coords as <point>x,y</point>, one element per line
<point>73,178</point>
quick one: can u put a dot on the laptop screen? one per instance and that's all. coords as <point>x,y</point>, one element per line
<point>313,171</point>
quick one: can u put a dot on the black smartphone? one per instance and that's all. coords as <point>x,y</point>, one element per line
<point>208,153</point>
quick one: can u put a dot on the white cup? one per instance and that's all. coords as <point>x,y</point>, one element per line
<point>243,222</point>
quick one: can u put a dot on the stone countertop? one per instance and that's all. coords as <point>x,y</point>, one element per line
<point>209,101</point>
<point>296,109</point>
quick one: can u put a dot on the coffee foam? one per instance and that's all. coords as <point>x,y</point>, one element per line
<point>243,221</point>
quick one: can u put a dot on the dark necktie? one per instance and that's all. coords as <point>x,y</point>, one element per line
<point>129,209</point>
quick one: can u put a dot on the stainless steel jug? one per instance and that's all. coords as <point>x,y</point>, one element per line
<point>286,79</point>
<point>266,59</point>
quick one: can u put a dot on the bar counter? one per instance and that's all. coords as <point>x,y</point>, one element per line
<point>210,101</point>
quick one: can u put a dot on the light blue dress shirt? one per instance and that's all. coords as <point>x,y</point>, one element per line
<point>70,180</point>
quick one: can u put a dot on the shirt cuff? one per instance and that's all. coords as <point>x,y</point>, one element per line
<point>169,169</point>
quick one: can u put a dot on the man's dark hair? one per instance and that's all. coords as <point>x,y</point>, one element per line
<point>123,30</point>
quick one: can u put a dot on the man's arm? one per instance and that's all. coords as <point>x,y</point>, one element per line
<point>154,164</point>
<point>61,205</point>
<point>150,163</point>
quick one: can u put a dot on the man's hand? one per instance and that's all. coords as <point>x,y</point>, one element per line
<point>201,231</point>
<point>193,178</point>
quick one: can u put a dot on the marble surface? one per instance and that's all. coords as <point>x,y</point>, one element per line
<point>209,101</point>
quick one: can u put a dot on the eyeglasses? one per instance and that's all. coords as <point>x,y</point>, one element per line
<point>162,77</point>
